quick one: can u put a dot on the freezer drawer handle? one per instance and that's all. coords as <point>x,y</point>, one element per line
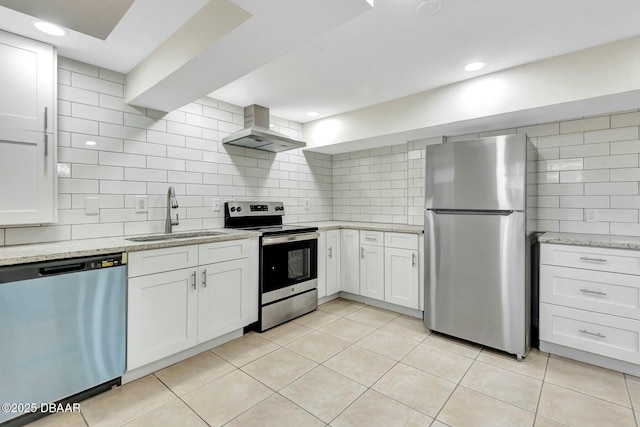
<point>595,334</point>
<point>587,291</point>
<point>586,258</point>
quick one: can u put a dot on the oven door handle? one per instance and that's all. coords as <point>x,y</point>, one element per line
<point>275,240</point>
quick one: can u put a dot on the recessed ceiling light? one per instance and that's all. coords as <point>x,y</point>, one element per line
<point>474,66</point>
<point>49,28</point>
<point>91,143</point>
<point>429,7</point>
<point>313,114</point>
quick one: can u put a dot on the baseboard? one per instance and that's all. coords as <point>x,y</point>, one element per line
<point>593,359</point>
<point>382,304</point>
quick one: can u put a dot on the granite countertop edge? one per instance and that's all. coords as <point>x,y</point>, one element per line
<point>23,254</point>
<point>593,240</point>
<point>366,226</point>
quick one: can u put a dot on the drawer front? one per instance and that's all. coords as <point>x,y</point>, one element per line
<point>610,336</point>
<point>401,240</point>
<point>224,251</point>
<point>159,260</point>
<point>603,259</point>
<point>602,292</point>
<point>374,238</point>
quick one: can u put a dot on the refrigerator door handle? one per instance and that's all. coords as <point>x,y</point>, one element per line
<point>470,212</point>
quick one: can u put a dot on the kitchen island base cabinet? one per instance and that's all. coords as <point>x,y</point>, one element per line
<point>588,310</point>
<point>172,311</point>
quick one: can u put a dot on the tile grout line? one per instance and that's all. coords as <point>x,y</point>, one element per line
<point>180,398</point>
<point>544,375</point>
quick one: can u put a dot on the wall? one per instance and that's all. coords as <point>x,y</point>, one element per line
<point>587,165</point>
<point>142,152</point>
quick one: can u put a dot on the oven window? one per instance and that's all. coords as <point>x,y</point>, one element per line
<point>288,264</point>
<point>299,264</point>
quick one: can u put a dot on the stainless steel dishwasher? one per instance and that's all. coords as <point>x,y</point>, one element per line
<point>62,332</point>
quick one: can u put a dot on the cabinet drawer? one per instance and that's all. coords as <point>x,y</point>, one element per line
<point>610,336</point>
<point>374,238</point>
<point>159,260</point>
<point>603,292</point>
<point>603,259</point>
<point>401,240</point>
<point>224,251</point>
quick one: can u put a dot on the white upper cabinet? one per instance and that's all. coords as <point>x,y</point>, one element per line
<point>28,185</point>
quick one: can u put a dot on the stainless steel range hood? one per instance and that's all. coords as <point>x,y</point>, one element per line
<point>256,133</point>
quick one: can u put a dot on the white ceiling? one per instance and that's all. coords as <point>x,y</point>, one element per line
<point>385,53</point>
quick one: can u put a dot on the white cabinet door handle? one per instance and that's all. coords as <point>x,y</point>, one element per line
<point>362,253</point>
<point>587,291</point>
<point>330,249</point>
<point>193,280</point>
<point>413,259</point>
<point>204,278</point>
<point>595,334</point>
<point>586,258</point>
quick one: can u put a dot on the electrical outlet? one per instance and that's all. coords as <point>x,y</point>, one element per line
<point>142,204</point>
<point>216,205</point>
<point>591,215</point>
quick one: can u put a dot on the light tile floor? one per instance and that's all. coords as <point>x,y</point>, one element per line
<point>348,364</point>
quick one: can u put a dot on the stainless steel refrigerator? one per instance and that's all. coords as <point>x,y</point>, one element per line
<point>477,281</point>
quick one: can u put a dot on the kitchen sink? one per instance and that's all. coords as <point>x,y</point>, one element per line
<point>161,237</point>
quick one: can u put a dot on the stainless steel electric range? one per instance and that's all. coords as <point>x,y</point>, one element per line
<point>288,260</point>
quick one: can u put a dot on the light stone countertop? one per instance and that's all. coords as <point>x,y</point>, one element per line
<point>596,240</point>
<point>22,254</point>
<point>367,226</point>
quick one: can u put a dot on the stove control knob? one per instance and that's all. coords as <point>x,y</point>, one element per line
<point>239,209</point>
<point>232,209</point>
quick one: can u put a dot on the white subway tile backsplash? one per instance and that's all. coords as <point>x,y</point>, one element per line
<point>123,187</point>
<point>174,116</point>
<point>597,175</point>
<point>619,134</point>
<point>74,155</point>
<point>625,147</point>
<point>626,119</point>
<point>610,162</point>
<point>137,174</point>
<point>584,201</point>
<point>112,76</point>
<point>617,215</point>
<point>92,231</point>
<point>560,214</point>
<point>72,65</point>
<point>90,112</point>
<point>144,122</point>
<point>611,188</point>
<point>138,147</point>
<point>202,122</point>
<point>120,159</point>
<point>624,229</point>
<point>124,132</point>
<point>560,165</point>
<point>102,143</point>
<point>625,202</point>
<point>582,125</point>
<point>165,138</point>
<point>26,235</point>
<point>117,103</point>
<point>184,153</point>
<point>121,215</point>
<point>584,227</point>
<point>561,189</point>
<point>587,150</point>
<point>629,174</point>
<point>96,172</point>
<point>64,108</point>
<point>540,130</point>
<point>165,163</point>
<point>77,95</point>
<point>73,124</point>
<point>560,140</point>
<point>84,81</point>
<point>72,186</point>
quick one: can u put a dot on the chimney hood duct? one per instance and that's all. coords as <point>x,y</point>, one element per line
<point>257,134</point>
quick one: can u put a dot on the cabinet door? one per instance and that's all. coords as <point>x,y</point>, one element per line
<point>161,316</point>
<point>401,277</point>
<point>27,84</point>
<point>222,300</point>
<point>333,262</point>
<point>372,272</point>
<point>322,264</point>
<point>27,178</point>
<point>350,261</point>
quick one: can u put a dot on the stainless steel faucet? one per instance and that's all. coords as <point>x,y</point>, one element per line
<point>172,203</point>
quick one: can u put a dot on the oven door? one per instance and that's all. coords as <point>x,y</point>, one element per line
<point>289,265</point>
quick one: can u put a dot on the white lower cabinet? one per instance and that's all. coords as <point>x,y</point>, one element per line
<point>401,277</point>
<point>372,272</point>
<point>333,262</point>
<point>588,310</point>
<point>174,310</point>
<point>350,261</point>
<point>162,316</point>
